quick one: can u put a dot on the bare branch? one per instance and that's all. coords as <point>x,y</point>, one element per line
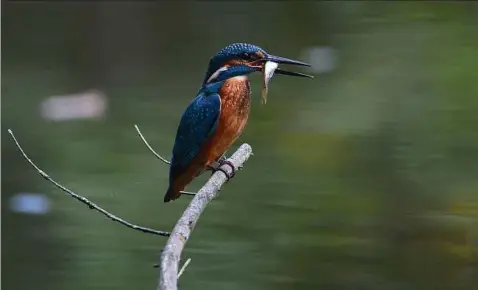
<point>84,200</point>
<point>170,255</point>
<point>184,267</point>
<point>149,146</point>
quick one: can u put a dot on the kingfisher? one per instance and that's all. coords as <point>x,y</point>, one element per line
<point>216,117</point>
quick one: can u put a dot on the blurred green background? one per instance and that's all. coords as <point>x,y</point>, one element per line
<point>364,178</point>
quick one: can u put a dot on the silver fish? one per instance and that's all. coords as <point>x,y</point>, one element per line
<point>268,73</point>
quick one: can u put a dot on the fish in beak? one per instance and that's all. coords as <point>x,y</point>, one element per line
<point>267,73</point>
<point>271,66</point>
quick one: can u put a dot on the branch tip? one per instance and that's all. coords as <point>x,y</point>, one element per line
<point>187,193</point>
<point>149,146</point>
<point>183,268</point>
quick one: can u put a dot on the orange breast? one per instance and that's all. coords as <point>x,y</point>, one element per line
<point>235,106</point>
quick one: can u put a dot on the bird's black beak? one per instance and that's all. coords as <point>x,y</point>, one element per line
<point>283,60</point>
<point>271,63</point>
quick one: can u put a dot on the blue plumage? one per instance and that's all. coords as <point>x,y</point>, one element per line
<point>235,71</point>
<point>197,123</point>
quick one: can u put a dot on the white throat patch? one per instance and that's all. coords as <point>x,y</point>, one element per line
<point>216,74</point>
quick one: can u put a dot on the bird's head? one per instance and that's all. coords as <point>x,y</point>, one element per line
<point>241,59</point>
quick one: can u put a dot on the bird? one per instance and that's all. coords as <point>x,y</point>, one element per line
<point>216,117</point>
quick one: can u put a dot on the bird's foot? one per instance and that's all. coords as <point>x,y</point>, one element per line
<point>225,162</point>
<point>222,158</point>
<point>213,167</point>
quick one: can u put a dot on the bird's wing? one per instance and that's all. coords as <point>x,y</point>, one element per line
<point>197,124</point>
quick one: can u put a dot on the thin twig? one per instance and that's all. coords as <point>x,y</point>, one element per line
<point>171,253</point>
<point>84,200</point>
<point>184,267</point>
<point>149,146</point>
<point>158,156</point>
<point>187,193</point>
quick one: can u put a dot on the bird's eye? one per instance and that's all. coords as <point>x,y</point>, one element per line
<point>246,55</point>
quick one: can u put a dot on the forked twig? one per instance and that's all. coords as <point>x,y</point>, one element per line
<point>158,156</point>
<point>84,200</point>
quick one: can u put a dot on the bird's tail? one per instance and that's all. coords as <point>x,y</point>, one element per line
<point>172,193</point>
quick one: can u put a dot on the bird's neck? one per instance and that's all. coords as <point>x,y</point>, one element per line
<point>215,87</point>
<point>242,78</point>
<point>227,72</point>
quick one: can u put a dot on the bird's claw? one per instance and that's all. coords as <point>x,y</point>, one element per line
<point>222,158</point>
<point>213,167</point>
<point>225,162</point>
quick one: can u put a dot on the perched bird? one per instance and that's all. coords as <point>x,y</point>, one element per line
<point>216,117</point>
